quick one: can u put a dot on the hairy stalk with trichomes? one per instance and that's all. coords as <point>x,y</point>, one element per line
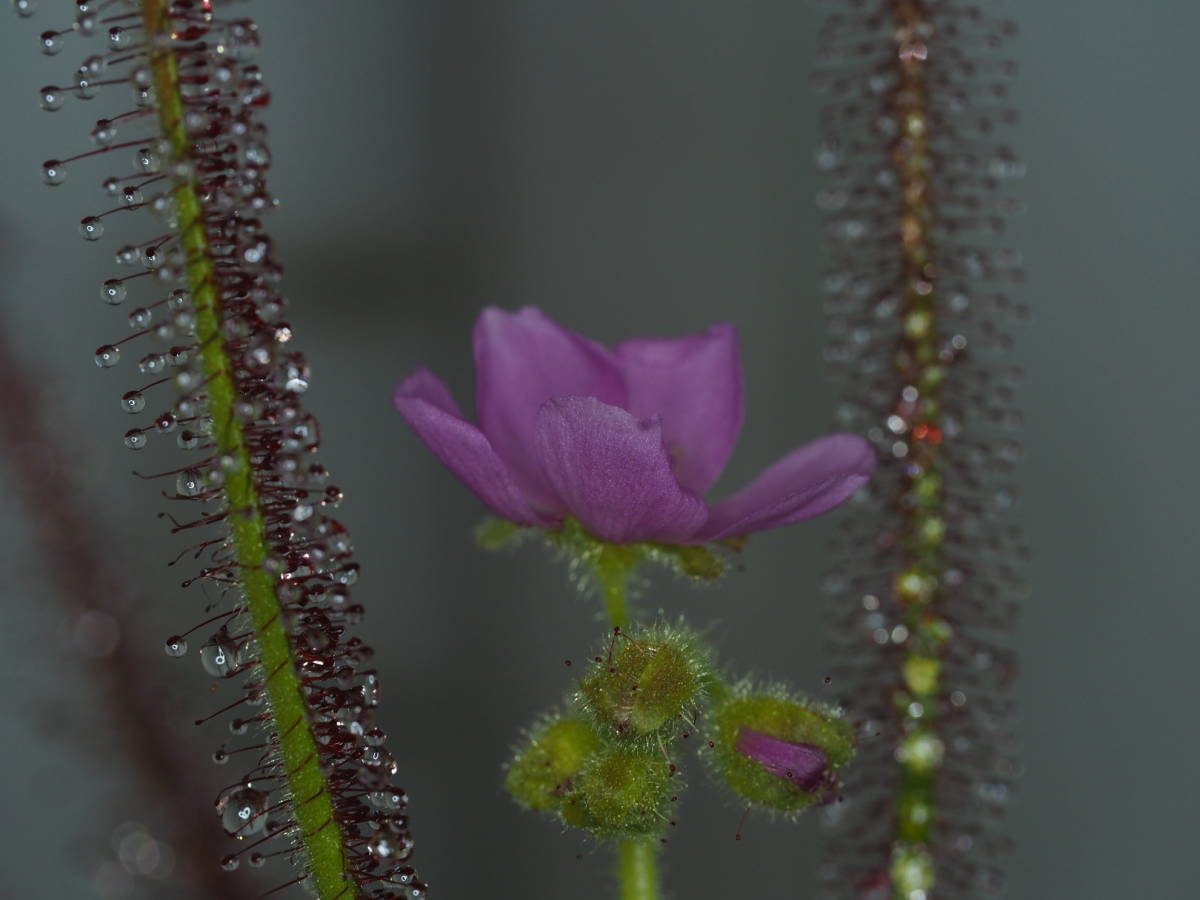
<point>321,779</point>
<point>918,308</point>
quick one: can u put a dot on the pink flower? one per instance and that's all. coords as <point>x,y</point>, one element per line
<point>627,441</point>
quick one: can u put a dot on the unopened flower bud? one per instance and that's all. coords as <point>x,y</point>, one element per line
<point>624,792</point>
<point>776,750</point>
<point>541,777</point>
<point>647,683</point>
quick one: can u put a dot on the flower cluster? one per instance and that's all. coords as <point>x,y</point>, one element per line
<point>609,763</point>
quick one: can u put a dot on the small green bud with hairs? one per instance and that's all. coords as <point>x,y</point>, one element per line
<point>625,792</point>
<point>542,775</point>
<point>649,683</point>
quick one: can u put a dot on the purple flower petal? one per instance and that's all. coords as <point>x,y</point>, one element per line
<point>523,359</point>
<point>613,472</point>
<point>695,384</point>
<point>802,764</point>
<point>426,405</point>
<point>807,482</point>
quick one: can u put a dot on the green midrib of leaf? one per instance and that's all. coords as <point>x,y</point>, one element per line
<point>311,799</point>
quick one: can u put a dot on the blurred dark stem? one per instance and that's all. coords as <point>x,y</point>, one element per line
<point>70,541</point>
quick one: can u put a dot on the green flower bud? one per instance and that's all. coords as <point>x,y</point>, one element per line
<point>777,751</point>
<point>625,792</point>
<point>541,777</point>
<point>647,684</point>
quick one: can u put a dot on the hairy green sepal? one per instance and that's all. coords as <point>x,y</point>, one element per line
<point>607,566</point>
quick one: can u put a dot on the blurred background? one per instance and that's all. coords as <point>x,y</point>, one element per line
<point>633,169</point>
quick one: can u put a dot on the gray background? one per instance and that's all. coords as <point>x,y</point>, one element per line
<point>636,169</point>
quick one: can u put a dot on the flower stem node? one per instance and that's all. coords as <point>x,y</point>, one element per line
<point>542,775</point>
<point>776,751</point>
<point>649,684</point>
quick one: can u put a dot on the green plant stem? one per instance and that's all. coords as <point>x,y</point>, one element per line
<point>311,798</point>
<point>637,869</point>
<point>614,565</point>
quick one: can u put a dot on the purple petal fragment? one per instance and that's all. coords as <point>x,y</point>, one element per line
<point>695,384</point>
<point>802,764</point>
<point>613,472</point>
<point>426,405</point>
<point>810,480</point>
<point>523,359</point>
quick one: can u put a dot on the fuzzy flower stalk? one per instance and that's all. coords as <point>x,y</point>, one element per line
<point>318,786</point>
<point>924,588</point>
<point>609,454</point>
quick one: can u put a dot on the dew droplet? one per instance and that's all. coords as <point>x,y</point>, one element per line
<point>177,356</point>
<point>51,42</point>
<point>143,96</point>
<point>127,256</point>
<point>151,364</point>
<point>25,8</point>
<point>190,483</point>
<point>387,799</point>
<point>370,689</point>
<point>85,89</point>
<point>229,862</point>
<point>133,402</point>
<point>131,194</point>
<point>220,756</point>
<point>166,423</point>
<point>119,37</point>
<point>113,291</point>
<point>219,653</point>
<point>53,172</point>
<point>140,318</point>
<point>257,860</point>
<point>177,300</point>
<point>107,356</point>
<point>85,23</point>
<point>91,228</point>
<point>135,439</point>
<point>146,161</point>
<point>382,848</point>
<point>104,133</point>
<point>242,811</point>
<point>175,645</point>
<point>51,98</point>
